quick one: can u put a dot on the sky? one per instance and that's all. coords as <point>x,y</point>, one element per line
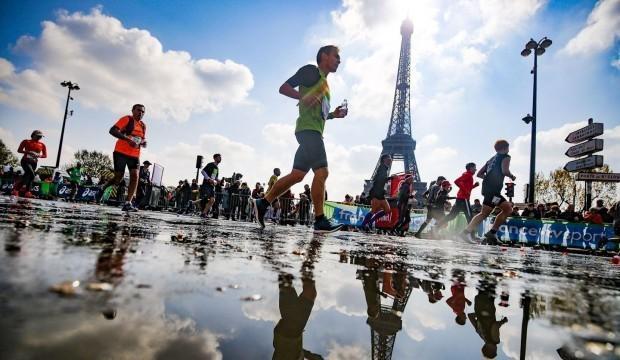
<point>208,73</point>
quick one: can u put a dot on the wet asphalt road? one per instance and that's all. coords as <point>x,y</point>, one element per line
<point>89,282</point>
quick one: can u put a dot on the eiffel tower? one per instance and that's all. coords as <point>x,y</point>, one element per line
<point>388,322</point>
<point>399,143</point>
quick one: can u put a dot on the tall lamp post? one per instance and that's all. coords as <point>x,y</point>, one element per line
<point>71,86</point>
<point>538,48</point>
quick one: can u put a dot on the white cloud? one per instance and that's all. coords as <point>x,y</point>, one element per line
<point>116,67</point>
<point>347,352</point>
<point>449,37</point>
<point>600,32</point>
<point>279,134</point>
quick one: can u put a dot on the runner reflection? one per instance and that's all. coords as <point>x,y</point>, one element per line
<point>483,318</point>
<point>295,310</point>
<point>458,300</point>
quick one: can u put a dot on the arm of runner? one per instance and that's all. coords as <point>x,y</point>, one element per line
<point>43,152</point>
<point>22,147</point>
<point>287,90</point>
<point>116,132</point>
<point>506,168</point>
<point>338,113</point>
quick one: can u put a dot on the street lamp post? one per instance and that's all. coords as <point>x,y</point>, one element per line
<point>538,48</point>
<point>71,86</point>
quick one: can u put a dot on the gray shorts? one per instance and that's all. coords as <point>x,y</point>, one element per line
<point>311,151</point>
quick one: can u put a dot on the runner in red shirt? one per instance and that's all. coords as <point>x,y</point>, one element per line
<point>32,149</point>
<point>130,131</point>
<point>465,183</point>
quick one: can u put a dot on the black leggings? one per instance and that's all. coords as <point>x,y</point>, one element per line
<point>29,168</point>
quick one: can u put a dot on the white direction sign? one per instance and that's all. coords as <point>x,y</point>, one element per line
<point>602,177</point>
<point>588,132</point>
<point>587,147</point>
<point>589,162</point>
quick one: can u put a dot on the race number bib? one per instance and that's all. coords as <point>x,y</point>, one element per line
<point>325,107</point>
<point>496,200</point>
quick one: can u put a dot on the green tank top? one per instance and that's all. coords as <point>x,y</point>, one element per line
<point>313,117</point>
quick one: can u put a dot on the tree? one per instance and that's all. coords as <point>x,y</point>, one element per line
<point>6,155</point>
<point>561,187</point>
<point>94,163</point>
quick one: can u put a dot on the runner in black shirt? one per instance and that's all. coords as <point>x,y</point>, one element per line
<point>210,174</point>
<point>378,203</point>
<point>493,173</point>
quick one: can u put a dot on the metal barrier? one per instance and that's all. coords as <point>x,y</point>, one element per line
<point>287,211</point>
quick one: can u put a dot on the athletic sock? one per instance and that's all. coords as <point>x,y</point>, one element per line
<point>367,218</point>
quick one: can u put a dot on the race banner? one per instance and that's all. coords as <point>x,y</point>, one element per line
<point>516,229</point>
<point>353,215</point>
<point>553,232</point>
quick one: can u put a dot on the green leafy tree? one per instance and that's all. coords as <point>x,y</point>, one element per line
<point>94,163</point>
<point>6,155</point>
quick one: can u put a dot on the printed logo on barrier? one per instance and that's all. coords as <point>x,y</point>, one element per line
<point>64,190</point>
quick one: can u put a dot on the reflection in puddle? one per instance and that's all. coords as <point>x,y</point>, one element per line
<point>339,296</point>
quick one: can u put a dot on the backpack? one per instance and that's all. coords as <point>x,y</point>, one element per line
<point>131,124</point>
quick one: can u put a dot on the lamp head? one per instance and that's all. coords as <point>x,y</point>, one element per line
<point>540,51</point>
<point>531,44</point>
<point>64,83</point>
<point>75,87</point>
<point>546,43</point>
<point>528,119</point>
<point>526,52</point>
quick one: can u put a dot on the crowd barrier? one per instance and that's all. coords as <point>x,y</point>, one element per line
<point>516,229</point>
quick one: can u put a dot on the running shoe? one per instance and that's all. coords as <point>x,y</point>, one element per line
<point>128,207</point>
<point>467,237</point>
<point>492,239</point>
<point>325,226</point>
<point>14,193</point>
<point>260,208</point>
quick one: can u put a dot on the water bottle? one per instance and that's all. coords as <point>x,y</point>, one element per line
<point>345,106</point>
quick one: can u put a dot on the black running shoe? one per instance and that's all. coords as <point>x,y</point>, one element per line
<point>492,239</point>
<point>129,208</point>
<point>325,226</point>
<point>260,208</point>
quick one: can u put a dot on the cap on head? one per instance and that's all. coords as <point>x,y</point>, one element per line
<point>445,183</point>
<point>440,179</point>
<point>36,133</point>
<point>146,162</point>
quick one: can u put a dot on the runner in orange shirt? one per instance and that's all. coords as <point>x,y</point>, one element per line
<point>33,150</point>
<point>130,131</point>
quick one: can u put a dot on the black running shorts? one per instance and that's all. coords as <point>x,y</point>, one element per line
<point>493,200</point>
<point>122,160</point>
<point>311,151</point>
<point>377,194</point>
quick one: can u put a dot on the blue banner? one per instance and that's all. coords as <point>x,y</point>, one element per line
<point>516,229</point>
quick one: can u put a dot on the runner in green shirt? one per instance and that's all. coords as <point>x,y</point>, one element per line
<point>75,177</point>
<point>314,110</point>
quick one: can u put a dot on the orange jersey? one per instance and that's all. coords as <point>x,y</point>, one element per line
<point>32,146</point>
<point>123,146</point>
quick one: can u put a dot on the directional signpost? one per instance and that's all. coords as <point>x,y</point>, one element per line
<point>592,130</point>
<point>589,147</point>
<point>601,177</point>
<point>585,163</point>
